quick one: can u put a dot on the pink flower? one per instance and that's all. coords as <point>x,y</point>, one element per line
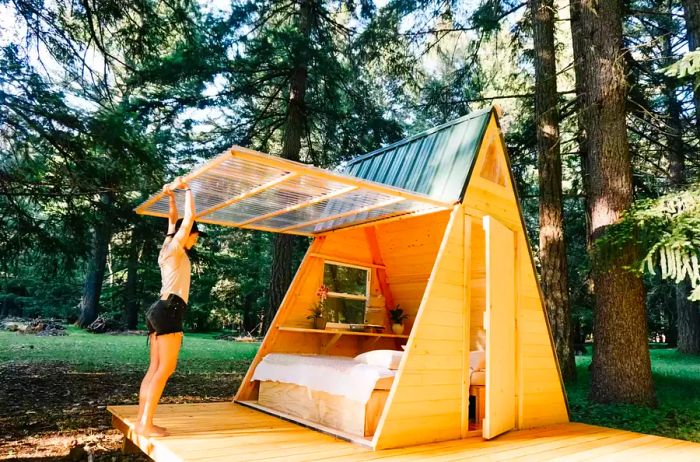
<point>322,292</point>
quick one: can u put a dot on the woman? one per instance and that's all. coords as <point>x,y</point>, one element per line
<point>164,317</point>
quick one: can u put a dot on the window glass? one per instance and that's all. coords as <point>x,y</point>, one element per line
<point>347,297</point>
<point>345,279</point>
<point>345,310</point>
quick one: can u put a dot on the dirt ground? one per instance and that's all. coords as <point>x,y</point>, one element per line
<point>51,412</point>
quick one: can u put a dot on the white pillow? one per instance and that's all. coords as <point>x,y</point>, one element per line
<point>477,360</point>
<point>384,358</point>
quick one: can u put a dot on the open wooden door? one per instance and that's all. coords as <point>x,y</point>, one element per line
<point>499,323</point>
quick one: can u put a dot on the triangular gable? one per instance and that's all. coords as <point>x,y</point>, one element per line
<point>427,402</point>
<point>492,167</point>
<point>541,395</point>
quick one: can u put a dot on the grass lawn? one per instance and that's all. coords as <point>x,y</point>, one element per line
<point>677,415</point>
<point>88,352</point>
<point>55,390</point>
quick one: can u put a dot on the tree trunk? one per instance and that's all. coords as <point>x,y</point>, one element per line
<point>554,277</point>
<point>621,368</point>
<point>688,321</point>
<point>89,304</point>
<point>578,47</point>
<point>691,12</point>
<point>250,314</point>
<point>674,131</point>
<point>671,315</point>
<point>687,312</point>
<point>131,300</point>
<point>281,273</point>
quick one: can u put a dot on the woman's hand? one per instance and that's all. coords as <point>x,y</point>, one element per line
<point>180,183</point>
<point>168,190</point>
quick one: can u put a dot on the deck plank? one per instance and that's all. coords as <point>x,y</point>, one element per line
<point>210,432</point>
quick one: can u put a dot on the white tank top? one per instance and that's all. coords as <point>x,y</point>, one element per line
<point>174,270</point>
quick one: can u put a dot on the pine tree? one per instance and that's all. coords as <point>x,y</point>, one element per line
<point>554,271</point>
<point>621,368</point>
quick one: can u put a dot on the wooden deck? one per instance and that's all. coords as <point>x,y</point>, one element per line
<point>232,432</point>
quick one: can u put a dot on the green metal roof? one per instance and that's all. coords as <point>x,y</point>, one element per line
<point>436,162</point>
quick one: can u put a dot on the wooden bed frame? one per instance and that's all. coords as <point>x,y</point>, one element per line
<point>326,409</point>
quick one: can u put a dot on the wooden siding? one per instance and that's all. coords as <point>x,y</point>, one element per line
<point>408,249</point>
<point>419,410</point>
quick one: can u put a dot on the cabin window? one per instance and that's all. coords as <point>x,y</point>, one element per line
<point>347,292</point>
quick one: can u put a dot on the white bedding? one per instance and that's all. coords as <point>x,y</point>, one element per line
<point>337,375</point>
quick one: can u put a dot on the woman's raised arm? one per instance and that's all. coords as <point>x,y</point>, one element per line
<point>172,210</point>
<point>188,219</point>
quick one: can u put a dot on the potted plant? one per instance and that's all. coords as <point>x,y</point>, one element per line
<point>318,311</point>
<point>397,317</point>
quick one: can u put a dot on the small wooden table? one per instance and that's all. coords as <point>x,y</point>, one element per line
<point>479,393</point>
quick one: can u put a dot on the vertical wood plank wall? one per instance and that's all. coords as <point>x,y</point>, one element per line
<point>409,249</point>
<point>425,403</point>
<point>540,397</point>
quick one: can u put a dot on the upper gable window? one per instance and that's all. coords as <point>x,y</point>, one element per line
<point>493,168</point>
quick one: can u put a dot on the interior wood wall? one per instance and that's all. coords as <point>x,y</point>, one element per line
<point>477,278</point>
<point>408,248</point>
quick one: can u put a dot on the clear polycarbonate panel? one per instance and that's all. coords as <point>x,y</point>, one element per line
<point>227,180</point>
<point>290,193</point>
<point>390,210</point>
<point>354,200</point>
<point>248,189</point>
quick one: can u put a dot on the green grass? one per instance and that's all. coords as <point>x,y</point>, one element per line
<point>676,376</point>
<point>677,414</point>
<point>87,352</point>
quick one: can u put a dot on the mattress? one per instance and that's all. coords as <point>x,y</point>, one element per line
<point>337,375</point>
<point>478,378</point>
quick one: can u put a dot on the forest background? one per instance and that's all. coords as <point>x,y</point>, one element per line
<point>102,102</point>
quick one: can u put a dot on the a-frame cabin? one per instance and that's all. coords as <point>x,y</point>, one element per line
<point>432,224</point>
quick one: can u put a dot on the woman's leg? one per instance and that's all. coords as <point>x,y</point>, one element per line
<point>152,367</point>
<point>168,350</point>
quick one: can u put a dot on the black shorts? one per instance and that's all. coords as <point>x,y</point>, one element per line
<point>165,316</point>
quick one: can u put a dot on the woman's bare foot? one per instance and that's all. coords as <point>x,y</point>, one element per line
<point>150,430</point>
<point>158,427</point>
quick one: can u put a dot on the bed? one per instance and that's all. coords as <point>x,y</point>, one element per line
<point>342,393</point>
